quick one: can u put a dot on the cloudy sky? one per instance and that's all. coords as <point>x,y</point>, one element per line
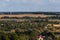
<point>29,5</point>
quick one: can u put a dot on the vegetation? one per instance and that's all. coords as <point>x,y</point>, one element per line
<point>27,29</point>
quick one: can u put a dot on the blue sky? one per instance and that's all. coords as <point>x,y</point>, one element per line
<point>29,5</point>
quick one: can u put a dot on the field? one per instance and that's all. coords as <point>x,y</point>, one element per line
<point>29,27</point>
<point>21,15</point>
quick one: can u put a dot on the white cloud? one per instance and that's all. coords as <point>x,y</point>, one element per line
<point>8,0</point>
<point>22,5</point>
<point>27,1</point>
<point>3,5</point>
<point>52,0</point>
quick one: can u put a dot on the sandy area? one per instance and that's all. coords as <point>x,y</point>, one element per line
<point>22,15</point>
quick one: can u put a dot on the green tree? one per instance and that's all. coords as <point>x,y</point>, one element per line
<point>14,36</point>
